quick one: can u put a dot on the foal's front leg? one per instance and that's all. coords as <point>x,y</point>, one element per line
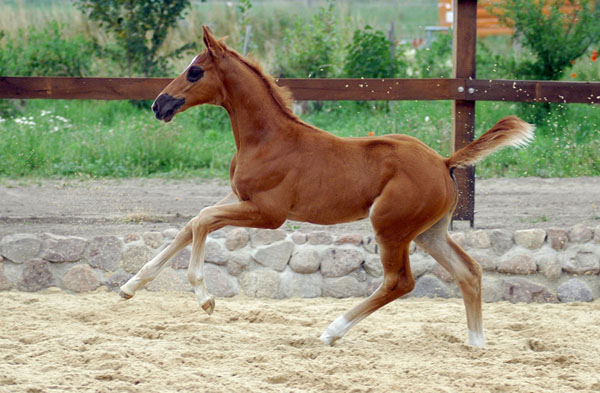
<point>151,269</point>
<point>196,267</point>
<point>244,214</point>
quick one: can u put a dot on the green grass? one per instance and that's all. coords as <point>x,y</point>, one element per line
<point>567,144</point>
<point>58,138</point>
<point>108,139</point>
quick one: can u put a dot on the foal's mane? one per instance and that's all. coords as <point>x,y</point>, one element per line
<point>281,94</point>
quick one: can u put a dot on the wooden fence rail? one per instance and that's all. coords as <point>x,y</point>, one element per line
<point>317,89</point>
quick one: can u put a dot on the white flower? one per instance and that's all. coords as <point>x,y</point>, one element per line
<point>411,53</point>
<point>25,121</point>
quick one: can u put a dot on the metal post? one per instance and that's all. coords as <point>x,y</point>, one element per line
<point>247,39</point>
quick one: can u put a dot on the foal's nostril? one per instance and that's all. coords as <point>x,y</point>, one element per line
<point>165,106</point>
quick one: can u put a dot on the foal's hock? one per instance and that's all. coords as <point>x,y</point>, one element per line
<point>284,169</point>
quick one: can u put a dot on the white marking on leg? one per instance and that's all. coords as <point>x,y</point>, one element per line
<point>196,273</point>
<point>196,278</point>
<point>476,339</point>
<point>146,274</point>
<point>337,329</point>
<point>151,269</point>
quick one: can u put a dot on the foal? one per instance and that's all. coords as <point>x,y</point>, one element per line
<point>284,169</point>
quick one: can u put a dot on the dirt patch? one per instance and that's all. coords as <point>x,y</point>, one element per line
<point>163,342</point>
<point>89,208</point>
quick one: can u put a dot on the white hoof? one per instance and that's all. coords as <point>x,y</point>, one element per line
<point>328,338</point>
<point>336,330</point>
<point>476,339</point>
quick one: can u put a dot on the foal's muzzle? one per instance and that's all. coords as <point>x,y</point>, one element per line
<point>165,106</point>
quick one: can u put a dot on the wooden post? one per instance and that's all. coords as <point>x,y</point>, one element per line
<point>463,111</point>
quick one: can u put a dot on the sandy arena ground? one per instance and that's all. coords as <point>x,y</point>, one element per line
<point>163,342</point>
<point>117,207</point>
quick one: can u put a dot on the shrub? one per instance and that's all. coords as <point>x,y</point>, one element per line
<point>139,28</point>
<point>311,49</point>
<point>45,52</point>
<point>587,68</point>
<point>552,40</point>
<point>555,39</point>
<point>436,61</point>
<point>243,9</point>
<point>370,55</point>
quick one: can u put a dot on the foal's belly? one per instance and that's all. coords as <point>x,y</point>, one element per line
<point>336,212</point>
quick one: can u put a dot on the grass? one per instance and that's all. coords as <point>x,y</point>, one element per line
<point>58,138</point>
<point>107,139</point>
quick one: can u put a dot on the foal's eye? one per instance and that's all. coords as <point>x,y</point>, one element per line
<point>195,73</point>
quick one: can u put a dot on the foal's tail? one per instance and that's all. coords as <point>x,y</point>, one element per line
<point>509,131</point>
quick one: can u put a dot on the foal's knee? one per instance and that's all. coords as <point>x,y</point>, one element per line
<point>201,222</point>
<point>195,277</point>
<point>196,224</point>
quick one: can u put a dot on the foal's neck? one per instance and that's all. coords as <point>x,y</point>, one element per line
<point>256,117</point>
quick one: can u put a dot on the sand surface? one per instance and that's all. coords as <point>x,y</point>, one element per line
<point>163,342</point>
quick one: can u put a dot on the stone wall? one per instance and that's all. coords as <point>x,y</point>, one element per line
<point>537,265</point>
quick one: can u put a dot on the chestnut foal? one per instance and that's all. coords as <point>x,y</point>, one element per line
<point>284,169</point>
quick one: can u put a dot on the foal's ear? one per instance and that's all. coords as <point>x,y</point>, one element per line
<point>214,47</point>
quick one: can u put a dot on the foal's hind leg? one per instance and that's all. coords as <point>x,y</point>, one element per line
<point>464,269</point>
<point>396,222</point>
<point>397,281</point>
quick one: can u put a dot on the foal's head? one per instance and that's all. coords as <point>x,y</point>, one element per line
<point>199,84</point>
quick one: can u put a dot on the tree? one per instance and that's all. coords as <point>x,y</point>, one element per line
<point>140,28</point>
<point>555,38</point>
